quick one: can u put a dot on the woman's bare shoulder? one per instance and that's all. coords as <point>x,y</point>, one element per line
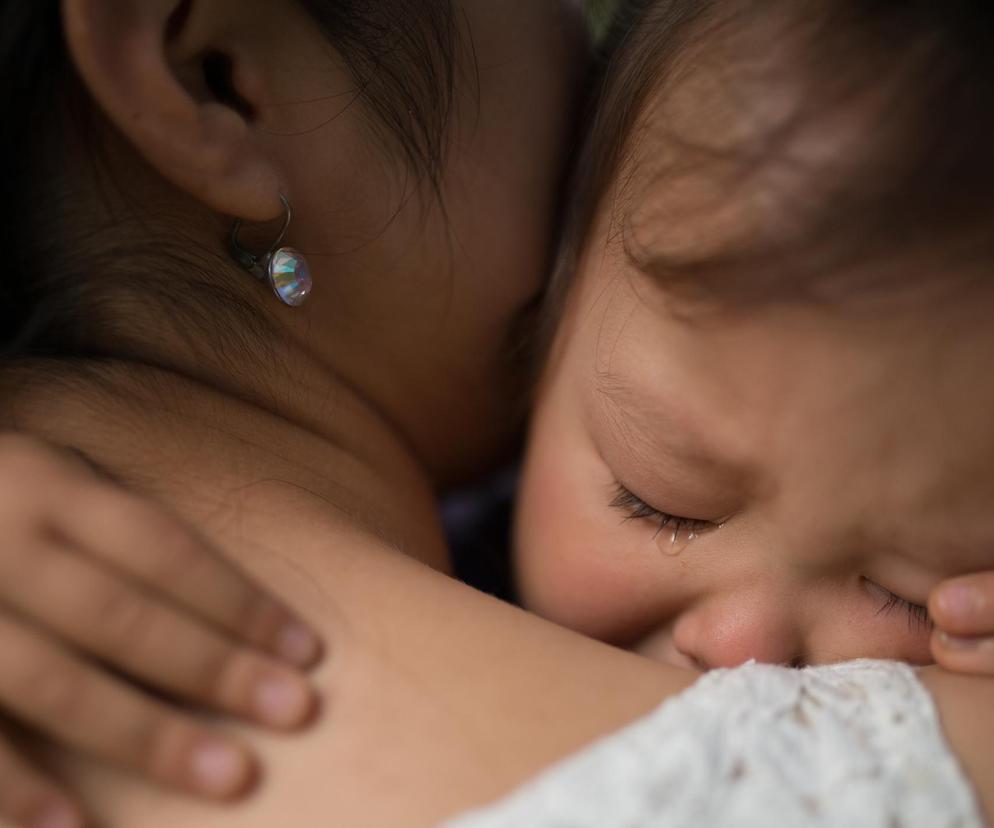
<point>435,697</point>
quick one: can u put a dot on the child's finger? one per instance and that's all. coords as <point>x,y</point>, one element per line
<point>964,606</point>
<point>28,799</point>
<point>136,536</point>
<point>964,654</point>
<point>144,541</point>
<point>78,705</point>
<point>108,617</point>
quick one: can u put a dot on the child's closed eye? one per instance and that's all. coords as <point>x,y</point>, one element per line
<point>918,615</point>
<point>676,526</point>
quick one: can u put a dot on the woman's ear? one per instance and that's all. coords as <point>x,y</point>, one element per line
<point>163,74</point>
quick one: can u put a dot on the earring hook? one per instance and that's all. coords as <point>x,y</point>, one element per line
<point>286,269</point>
<point>257,264</point>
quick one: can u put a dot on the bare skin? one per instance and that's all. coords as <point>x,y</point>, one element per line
<point>436,698</point>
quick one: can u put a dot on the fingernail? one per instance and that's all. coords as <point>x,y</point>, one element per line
<point>298,645</point>
<point>220,770</point>
<point>957,600</point>
<point>963,643</point>
<point>57,815</point>
<point>282,701</point>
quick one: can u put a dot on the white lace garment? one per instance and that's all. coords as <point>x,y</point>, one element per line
<point>843,746</point>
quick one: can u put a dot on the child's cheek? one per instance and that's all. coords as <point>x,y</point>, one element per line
<point>568,566</point>
<point>567,582</point>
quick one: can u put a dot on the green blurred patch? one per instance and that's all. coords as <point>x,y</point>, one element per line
<point>599,13</point>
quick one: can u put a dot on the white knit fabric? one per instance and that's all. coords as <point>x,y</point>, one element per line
<point>843,746</point>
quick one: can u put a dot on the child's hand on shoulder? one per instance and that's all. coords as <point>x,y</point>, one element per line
<point>115,621</point>
<point>963,611</point>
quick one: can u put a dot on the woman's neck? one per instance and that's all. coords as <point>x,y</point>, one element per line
<point>157,423</point>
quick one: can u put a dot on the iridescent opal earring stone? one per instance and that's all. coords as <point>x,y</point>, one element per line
<point>290,277</point>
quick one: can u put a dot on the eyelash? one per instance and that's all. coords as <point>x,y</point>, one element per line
<point>638,509</point>
<point>918,617</point>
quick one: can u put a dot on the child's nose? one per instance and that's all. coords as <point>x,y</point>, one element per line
<point>736,628</point>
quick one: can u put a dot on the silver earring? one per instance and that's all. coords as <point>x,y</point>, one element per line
<point>284,269</point>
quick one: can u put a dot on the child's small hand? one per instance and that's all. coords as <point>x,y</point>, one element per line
<point>102,594</point>
<point>963,612</point>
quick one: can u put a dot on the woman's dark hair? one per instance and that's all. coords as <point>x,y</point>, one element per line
<point>859,132</point>
<point>402,55</point>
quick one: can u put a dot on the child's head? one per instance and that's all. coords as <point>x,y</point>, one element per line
<point>766,428</point>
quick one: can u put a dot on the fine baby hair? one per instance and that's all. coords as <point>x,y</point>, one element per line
<point>826,149</point>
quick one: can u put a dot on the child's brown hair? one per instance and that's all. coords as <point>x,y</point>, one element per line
<point>777,149</point>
